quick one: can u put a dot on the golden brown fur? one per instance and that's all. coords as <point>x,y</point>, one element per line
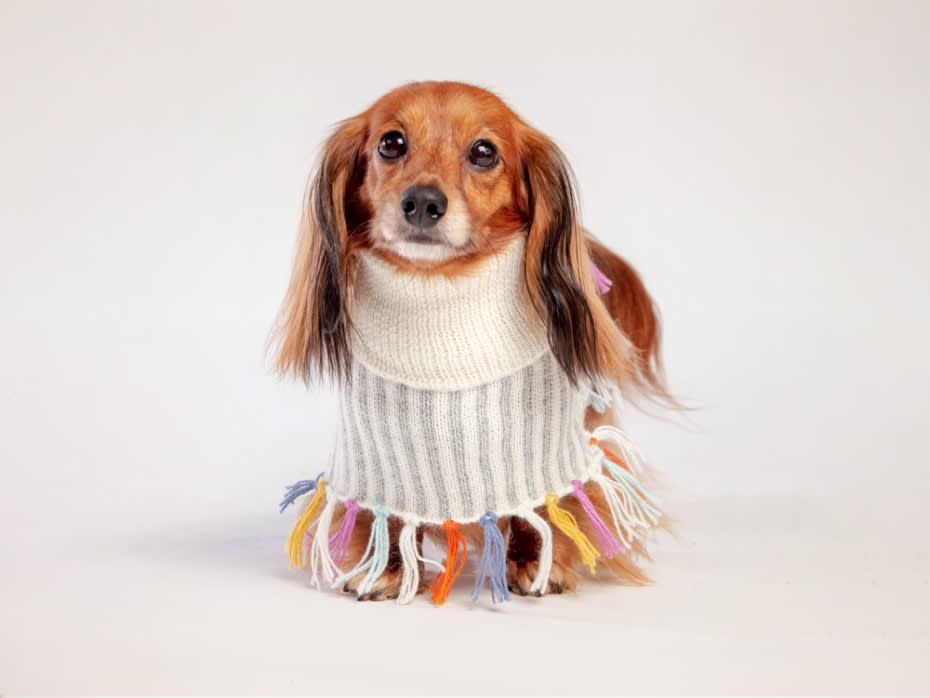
<point>352,205</point>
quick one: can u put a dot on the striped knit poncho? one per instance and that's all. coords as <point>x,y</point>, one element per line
<point>457,412</point>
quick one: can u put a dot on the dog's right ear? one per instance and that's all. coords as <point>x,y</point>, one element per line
<point>311,337</point>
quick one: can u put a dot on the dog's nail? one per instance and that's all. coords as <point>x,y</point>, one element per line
<point>375,596</point>
<point>558,588</point>
<point>538,594</point>
<point>345,588</point>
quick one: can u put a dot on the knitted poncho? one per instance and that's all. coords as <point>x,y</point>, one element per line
<point>457,412</point>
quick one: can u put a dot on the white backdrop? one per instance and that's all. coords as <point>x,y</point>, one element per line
<point>764,166</point>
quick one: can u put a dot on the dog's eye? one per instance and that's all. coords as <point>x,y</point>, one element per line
<point>483,154</point>
<point>392,145</point>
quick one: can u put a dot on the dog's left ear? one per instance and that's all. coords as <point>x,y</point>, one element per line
<point>583,337</point>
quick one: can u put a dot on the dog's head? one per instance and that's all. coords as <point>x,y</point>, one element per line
<point>435,177</point>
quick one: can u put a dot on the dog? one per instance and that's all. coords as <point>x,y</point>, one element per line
<point>421,208</point>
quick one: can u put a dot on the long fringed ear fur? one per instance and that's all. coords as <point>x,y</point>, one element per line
<point>311,337</point>
<point>581,333</point>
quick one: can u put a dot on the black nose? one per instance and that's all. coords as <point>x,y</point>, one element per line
<point>423,206</point>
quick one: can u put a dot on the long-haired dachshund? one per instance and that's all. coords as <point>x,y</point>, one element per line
<point>443,278</point>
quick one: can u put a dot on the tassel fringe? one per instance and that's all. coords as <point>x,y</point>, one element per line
<point>454,562</point>
<point>600,279</point>
<point>375,558</point>
<point>339,543</point>
<point>639,506</point>
<point>296,490</point>
<point>626,449</point>
<point>295,542</point>
<point>567,524</point>
<point>493,564</point>
<point>632,507</point>
<point>410,582</point>
<point>609,544</point>
<point>617,512</point>
<point>321,562</point>
<point>598,402</point>
<point>541,583</point>
<point>410,558</point>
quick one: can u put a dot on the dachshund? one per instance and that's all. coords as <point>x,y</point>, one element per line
<point>435,179</point>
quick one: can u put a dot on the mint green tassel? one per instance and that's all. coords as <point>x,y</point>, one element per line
<point>376,554</point>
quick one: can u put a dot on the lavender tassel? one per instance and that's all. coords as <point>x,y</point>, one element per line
<point>296,490</point>
<point>600,279</point>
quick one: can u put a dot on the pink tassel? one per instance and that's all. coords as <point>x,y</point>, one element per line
<point>339,543</point>
<point>602,282</point>
<point>610,546</point>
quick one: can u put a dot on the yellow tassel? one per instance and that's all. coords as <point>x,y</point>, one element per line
<point>567,524</point>
<point>295,542</point>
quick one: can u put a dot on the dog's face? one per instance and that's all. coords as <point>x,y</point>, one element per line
<point>443,172</point>
<point>435,177</point>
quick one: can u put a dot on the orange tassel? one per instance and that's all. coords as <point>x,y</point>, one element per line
<point>454,563</point>
<point>610,456</point>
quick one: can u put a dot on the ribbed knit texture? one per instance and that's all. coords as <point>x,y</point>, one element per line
<point>439,454</point>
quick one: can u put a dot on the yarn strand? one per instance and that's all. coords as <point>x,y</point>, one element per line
<point>600,279</point>
<point>541,582</point>
<point>493,564</point>
<point>598,402</point>
<point>567,524</point>
<point>622,520</point>
<point>375,558</point>
<point>295,542</point>
<point>454,562</point>
<point>298,489</point>
<point>642,506</point>
<point>410,563</point>
<point>339,543</point>
<point>609,544</point>
<point>321,562</point>
<point>627,450</point>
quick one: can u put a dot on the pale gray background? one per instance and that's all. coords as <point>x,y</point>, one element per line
<point>764,165</point>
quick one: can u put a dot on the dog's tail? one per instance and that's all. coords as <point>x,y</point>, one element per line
<point>637,316</point>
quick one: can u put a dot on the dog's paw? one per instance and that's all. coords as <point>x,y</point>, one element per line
<point>385,588</point>
<point>521,573</point>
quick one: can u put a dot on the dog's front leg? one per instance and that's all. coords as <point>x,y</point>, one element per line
<point>388,584</point>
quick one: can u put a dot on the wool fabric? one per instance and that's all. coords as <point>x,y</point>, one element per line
<point>441,333</point>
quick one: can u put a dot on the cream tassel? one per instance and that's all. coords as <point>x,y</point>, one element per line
<point>626,449</point>
<point>321,561</point>
<point>410,558</point>
<point>541,583</point>
<point>621,518</point>
<point>410,565</point>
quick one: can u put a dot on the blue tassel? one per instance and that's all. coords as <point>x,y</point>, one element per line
<point>597,402</point>
<point>493,564</point>
<point>296,490</point>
